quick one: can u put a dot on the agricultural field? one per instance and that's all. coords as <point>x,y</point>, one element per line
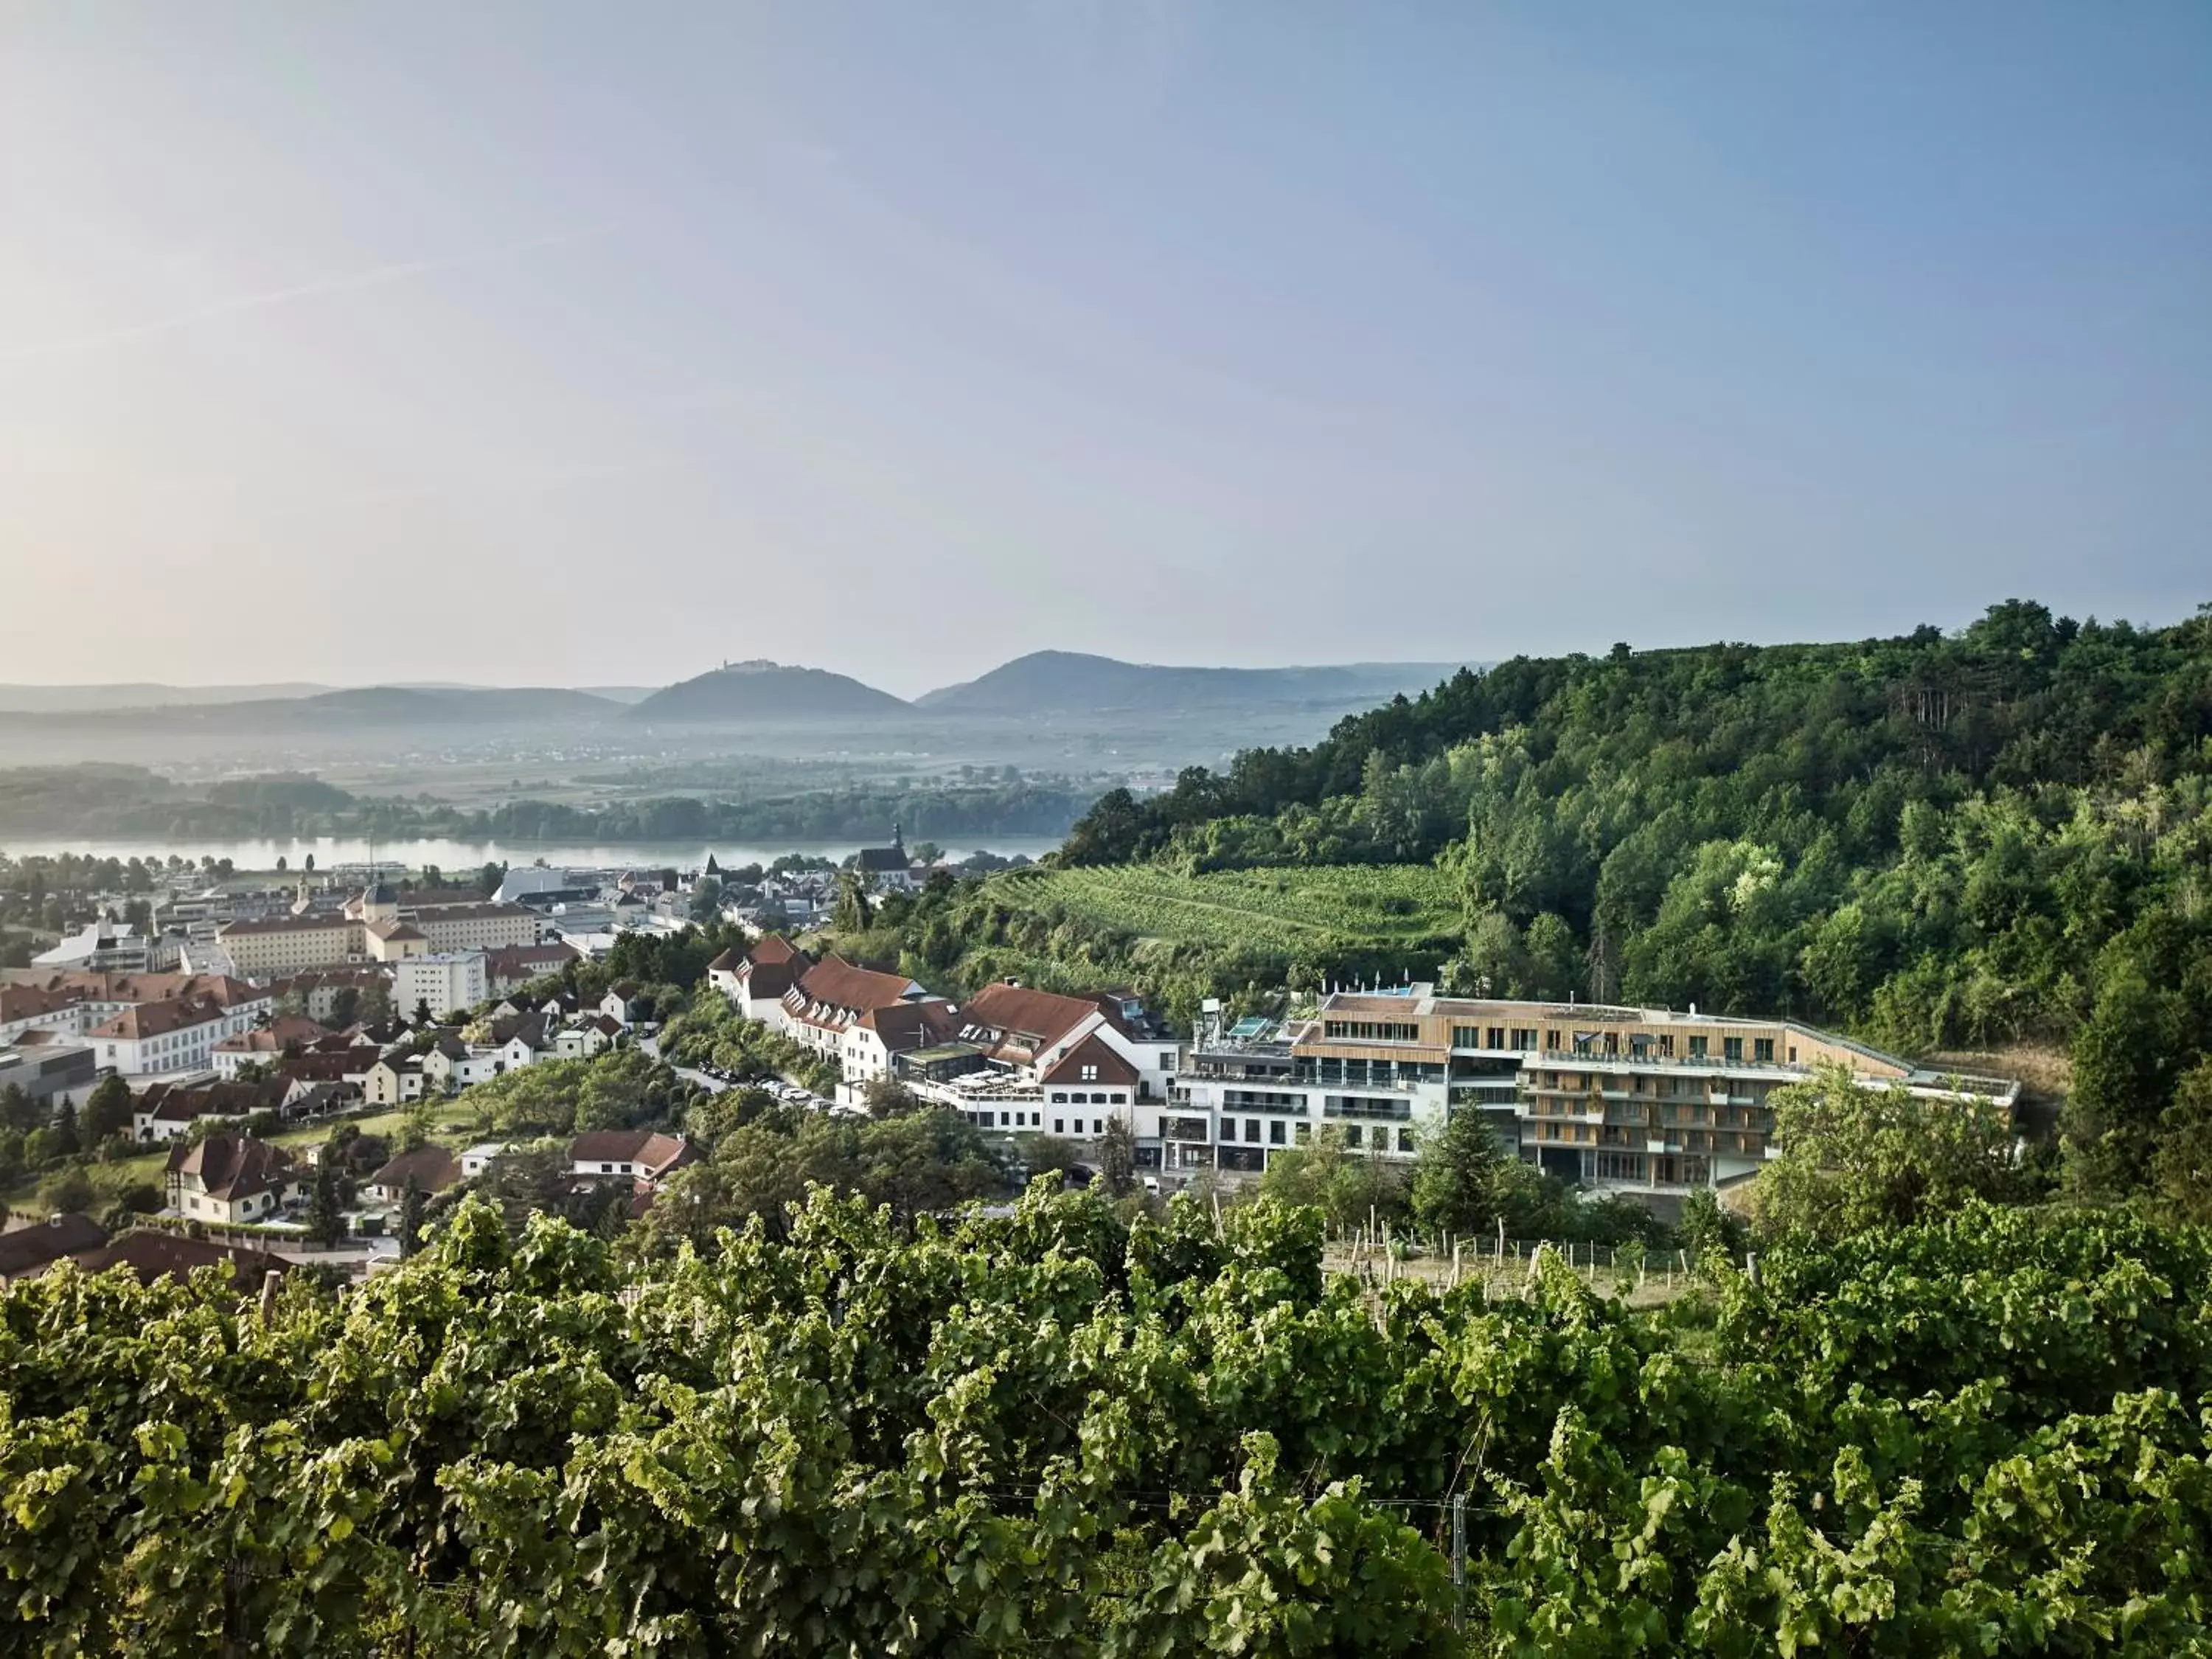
<point>1288,910</point>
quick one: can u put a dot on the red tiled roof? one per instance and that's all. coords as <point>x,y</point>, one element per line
<point>433,1169</point>
<point>911,1024</point>
<point>1091,1051</point>
<point>153,1020</point>
<point>1024,1018</point>
<point>840,984</point>
<point>155,1253</point>
<point>652,1150</point>
<point>233,1166</point>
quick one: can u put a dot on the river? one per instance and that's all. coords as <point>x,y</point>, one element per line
<point>330,852</point>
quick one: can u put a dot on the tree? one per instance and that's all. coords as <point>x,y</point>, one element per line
<point>422,1014</point>
<point>19,1112</point>
<point>417,1123</point>
<point>1451,1190</point>
<point>69,1191</point>
<point>107,1110</point>
<point>1051,1155</point>
<point>63,1140</point>
<point>852,912</point>
<point>307,864</point>
<point>1852,1158</point>
<point>326,1223</point>
<point>2181,1168</point>
<point>376,1002</point>
<point>1347,1187</point>
<point>1117,1158</point>
<point>411,1205</point>
<point>887,1097</point>
<point>280,863</point>
<point>707,898</point>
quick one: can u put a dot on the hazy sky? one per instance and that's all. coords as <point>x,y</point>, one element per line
<point>547,343</point>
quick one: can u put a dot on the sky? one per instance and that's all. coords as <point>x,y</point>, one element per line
<point>529,343</point>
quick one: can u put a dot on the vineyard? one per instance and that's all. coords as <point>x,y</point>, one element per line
<point>1289,911</point>
<point>1064,1432</point>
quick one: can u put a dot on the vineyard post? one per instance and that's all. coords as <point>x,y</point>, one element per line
<point>1459,1560</point>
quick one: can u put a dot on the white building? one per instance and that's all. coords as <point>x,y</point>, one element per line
<point>449,980</point>
<point>109,944</point>
<point>175,1036</point>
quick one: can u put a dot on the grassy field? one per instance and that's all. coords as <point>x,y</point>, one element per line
<point>1284,910</point>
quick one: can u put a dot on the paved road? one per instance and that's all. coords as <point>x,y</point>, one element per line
<point>713,1085</point>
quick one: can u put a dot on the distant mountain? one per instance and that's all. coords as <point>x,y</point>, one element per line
<point>1069,682</point>
<point>748,692</point>
<point>78,699</point>
<point>369,708</point>
<point>402,705</point>
<point>619,693</point>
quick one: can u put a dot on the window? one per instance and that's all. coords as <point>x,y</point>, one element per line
<point>1732,1048</point>
<point>1370,1030</point>
<point>1251,1128</point>
<point>1304,1133</point>
<point>1405,1140</point>
<point>1167,1059</point>
<point>1352,1134</point>
<point>1793,1053</point>
<point>1762,1049</point>
<point>1275,1133</point>
<point>606,1169</point>
<point>1697,1048</point>
<point>1055,1126</point>
<point>1090,1074</point>
<point>1097,1126</point>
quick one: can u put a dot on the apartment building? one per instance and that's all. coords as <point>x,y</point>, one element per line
<point>1654,1101</point>
<point>384,928</point>
<point>447,979</point>
<point>274,947</point>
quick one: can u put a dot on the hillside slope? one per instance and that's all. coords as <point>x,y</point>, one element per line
<point>1070,682</point>
<point>749,692</point>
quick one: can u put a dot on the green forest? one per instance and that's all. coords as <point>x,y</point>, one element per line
<point>1995,838</point>
<point>120,802</point>
<point>1076,1431</point>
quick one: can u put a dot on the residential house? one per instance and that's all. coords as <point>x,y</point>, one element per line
<point>166,1111</point>
<point>393,1081</point>
<point>513,966</point>
<point>621,1004</point>
<point>26,1251</point>
<point>587,1037</point>
<point>285,1032</point>
<point>427,1169</point>
<point>478,1158</point>
<point>232,1178</point>
<point>521,1040</point>
<point>646,1155</point>
<point>757,983</point>
<point>152,1253</point>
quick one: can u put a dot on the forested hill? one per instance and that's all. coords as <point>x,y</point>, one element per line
<point>1999,834</point>
<point>2019,698</point>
